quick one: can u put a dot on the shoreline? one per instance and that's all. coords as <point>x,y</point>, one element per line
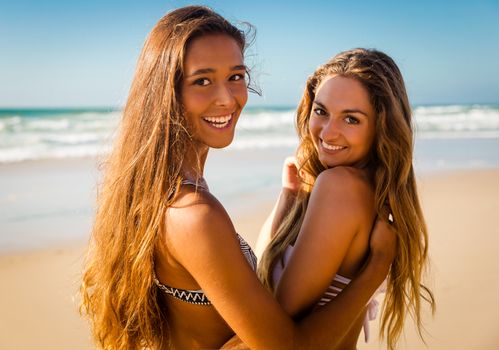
<point>237,204</point>
<point>45,203</point>
<point>52,202</point>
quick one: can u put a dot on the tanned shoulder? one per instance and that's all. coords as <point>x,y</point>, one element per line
<point>196,216</point>
<point>348,184</point>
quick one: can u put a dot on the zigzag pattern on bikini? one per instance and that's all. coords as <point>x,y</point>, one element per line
<point>189,296</point>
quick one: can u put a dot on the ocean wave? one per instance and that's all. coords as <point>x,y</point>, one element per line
<point>452,109</point>
<point>259,143</point>
<point>72,139</point>
<point>266,120</point>
<point>96,124</point>
<point>47,124</point>
<point>422,110</point>
<point>19,154</point>
<point>37,135</point>
<point>470,119</point>
<point>11,123</point>
<point>458,134</point>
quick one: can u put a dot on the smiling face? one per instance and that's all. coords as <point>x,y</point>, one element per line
<point>213,89</point>
<point>342,122</point>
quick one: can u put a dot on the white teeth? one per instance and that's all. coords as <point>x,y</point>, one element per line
<point>217,121</point>
<point>221,126</point>
<point>331,147</point>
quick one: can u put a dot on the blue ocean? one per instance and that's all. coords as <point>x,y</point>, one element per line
<point>447,136</point>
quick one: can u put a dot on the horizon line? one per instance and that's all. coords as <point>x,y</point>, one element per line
<point>277,105</point>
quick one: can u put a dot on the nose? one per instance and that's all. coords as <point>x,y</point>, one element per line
<point>224,96</point>
<point>330,129</point>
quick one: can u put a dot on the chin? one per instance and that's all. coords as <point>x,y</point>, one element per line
<point>325,163</point>
<point>222,143</point>
<point>329,165</point>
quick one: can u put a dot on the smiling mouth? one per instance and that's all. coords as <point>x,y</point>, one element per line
<point>219,122</point>
<point>330,147</point>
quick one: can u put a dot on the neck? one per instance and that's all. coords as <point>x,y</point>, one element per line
<point>194,162</point>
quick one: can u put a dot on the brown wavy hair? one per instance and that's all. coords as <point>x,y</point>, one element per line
<point>390,162</point>
<point>142,178</point>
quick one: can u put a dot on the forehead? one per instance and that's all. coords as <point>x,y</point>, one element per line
<point>340,93</point>
<point>212,51</point>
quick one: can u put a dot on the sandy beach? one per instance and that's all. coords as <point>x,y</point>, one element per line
<point>38,289</point>
<point>461,210</point>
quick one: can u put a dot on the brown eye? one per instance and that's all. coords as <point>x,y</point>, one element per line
<point>237,77</point>
<point>202,82</point>
<point>351,120</point>
<point>319,111</point>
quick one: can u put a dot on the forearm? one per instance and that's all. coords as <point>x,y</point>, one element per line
<point>326,327</point>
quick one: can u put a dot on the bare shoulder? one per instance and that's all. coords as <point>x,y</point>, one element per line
<point>346,187</point>
<point>347,180</point>
<point>196,215</point>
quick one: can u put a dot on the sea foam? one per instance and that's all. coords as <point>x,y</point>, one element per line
<point>45,134</point>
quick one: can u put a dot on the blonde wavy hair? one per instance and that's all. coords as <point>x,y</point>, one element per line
<point>142,178</point>
<point>390,163</point>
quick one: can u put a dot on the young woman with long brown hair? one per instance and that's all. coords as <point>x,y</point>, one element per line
<point>165,268</point>
<point>354,158</point>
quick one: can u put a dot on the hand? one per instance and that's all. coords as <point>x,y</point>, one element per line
<point>290,177</point>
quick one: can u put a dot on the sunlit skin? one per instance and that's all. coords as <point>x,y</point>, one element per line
<point>199,248</point>
<point>213,94</point>
<point>342,122</point>
<point>165,228</point>
<point>213,90</point>
<point>340,210</point>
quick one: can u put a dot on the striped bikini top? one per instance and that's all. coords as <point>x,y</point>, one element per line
<point>337,285</point>
<point>197,296</point>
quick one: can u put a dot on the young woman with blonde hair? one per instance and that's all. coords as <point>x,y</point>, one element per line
<point>353,160</point>
<point>165,268</point>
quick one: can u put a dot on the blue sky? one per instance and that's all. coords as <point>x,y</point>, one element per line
<point>83,53</point>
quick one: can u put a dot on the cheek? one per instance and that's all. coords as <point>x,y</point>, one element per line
<point>365,139</point>
<point>240,93</point>
<point>193,108</point>
<point>314,128</point>
<point>195,101</point>
<point>189,104</point>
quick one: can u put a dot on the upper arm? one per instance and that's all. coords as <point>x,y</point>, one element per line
<point>333,218</point>
<point>205,243</point>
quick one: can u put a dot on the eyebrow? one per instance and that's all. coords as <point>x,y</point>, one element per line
<point>211,70</point>
<point>352,110</point>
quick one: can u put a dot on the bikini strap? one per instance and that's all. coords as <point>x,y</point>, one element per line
<point>201,183</point>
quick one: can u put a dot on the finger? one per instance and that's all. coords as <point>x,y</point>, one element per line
<point>290,161</point>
